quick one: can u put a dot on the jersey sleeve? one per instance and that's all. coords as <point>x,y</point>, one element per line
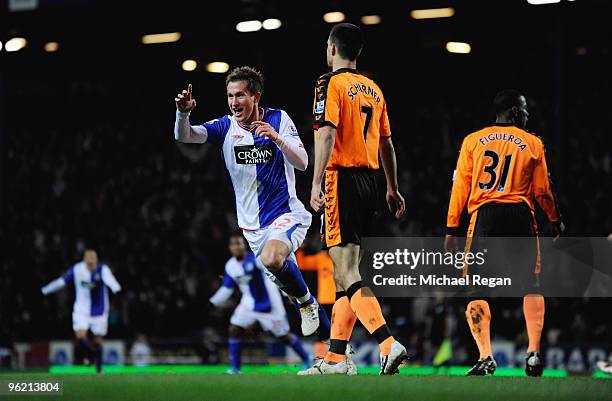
<point>69,275</point>
<point>225,291</point>
<point>542,188</point>
<point>109,279</point>
<point>462,181</point>
<point>385,127</point>
<point>287,127</point>
<point>326,103</point>
<point>216,130</point>
<point>228,281</point>
<point>53,286</point>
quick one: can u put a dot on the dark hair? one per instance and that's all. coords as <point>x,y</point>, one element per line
<point>253,78</point>
<point>236,234</point>
<point>348,38</point>
<point>506,99</point>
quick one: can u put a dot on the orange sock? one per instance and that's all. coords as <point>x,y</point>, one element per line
<point>533,308</point>
<point>368,311</point>
<point>478,317</point>
<point>342,323</point>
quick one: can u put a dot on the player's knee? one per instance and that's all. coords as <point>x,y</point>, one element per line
<point>284,339</point>
<point>339,278</point>
<point>346,278</point>
<point>234,331</point>
<point>272,259</point>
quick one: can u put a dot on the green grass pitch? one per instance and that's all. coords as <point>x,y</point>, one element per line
<point>281,383</point>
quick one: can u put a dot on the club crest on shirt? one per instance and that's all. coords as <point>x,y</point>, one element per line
<point>251,154</point>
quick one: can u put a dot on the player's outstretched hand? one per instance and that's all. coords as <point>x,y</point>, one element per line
<point>396,203</point>
<point>265,129</point>
<point>450,243</point>
<point>185,101</point>
<point>316,198</point>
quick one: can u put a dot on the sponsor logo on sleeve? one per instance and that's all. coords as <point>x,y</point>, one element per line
<point>320,107</point>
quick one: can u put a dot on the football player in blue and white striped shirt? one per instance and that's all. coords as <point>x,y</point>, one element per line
<point>261,302</point>
<point>261,148</point>
<point>91,304</point>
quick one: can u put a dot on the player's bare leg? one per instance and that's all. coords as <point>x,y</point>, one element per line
<point>533,309</point>
<point>274,257</point>
<point>365,305</point>
<point>478,317</point>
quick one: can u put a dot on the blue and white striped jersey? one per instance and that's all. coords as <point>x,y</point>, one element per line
<point>90,288</point>
<point>263,180</point>
<point>259,294</point>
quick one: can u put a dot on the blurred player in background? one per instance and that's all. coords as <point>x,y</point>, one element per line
<point>501,169</point>
<point>261,302</point>
<point>261,148</point>
<point>351,123</point>
<point>91,305</point>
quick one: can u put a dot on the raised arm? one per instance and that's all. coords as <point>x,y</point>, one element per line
<point>183,130</point>
<point>109,279</point>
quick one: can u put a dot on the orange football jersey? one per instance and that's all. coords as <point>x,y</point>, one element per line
<point>503,164</point>
<point>355,106</point>
<point>323,264</point>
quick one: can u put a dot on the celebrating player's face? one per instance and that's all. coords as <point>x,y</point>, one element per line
<point>91,259</point>
<point>237,247</point>
<point>241,101</point>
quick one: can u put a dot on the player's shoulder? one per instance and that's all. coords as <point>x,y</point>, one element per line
<point>249,257</point>
<point>326,79</point>
<point>475,135</point>
<point>271,112</point>
<point>232,265</point>
<point>222,121</point>
<point>537,139</point>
